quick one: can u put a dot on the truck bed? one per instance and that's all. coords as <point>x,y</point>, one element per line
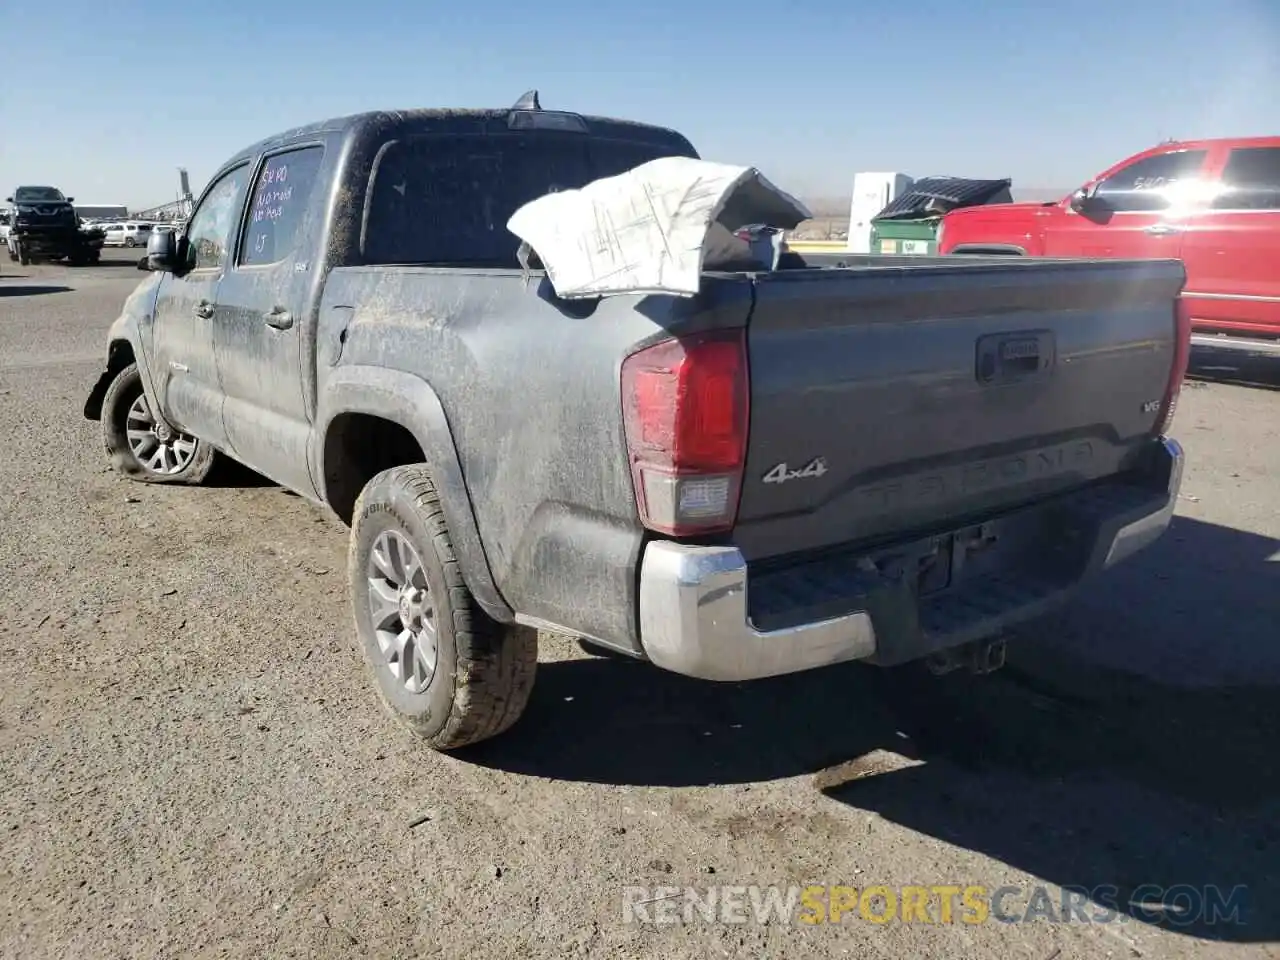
<point>873,369</point>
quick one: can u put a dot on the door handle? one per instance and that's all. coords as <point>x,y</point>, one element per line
<point>1163,229</point>
<point>204,309</point>
<point>280,319</point>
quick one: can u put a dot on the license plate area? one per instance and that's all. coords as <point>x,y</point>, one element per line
<point>937,563</point>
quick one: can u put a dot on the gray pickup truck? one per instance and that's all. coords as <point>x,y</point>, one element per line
<point>797,465</point>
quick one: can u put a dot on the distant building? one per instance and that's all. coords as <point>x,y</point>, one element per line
<point>101,211</point>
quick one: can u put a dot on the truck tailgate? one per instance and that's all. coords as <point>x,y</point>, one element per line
<point>894,399</point>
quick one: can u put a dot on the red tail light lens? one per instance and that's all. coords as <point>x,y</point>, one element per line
<point>685,412</point>
<point>1181,358</point>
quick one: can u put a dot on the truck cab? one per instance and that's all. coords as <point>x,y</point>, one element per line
<point>1213,204</point>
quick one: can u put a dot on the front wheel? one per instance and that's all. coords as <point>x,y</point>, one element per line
<point>139,446</point>
<point>443,667</point>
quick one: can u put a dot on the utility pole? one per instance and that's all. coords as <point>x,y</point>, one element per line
<point>187,201</point>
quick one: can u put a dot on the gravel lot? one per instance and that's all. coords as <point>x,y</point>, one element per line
<point>193,763</point>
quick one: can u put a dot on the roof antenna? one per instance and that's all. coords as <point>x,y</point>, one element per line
<point>528,102</point>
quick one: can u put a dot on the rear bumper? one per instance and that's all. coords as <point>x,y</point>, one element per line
<point>696,617</point>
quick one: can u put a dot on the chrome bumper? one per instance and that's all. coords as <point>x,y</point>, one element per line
<point>694,619</point>
<point>1142,533</point>
<point>1237,343</point>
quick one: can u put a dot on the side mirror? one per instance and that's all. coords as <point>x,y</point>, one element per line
<point>162,251</point>
<point>71,199</point>
<point>143,263</point>
<point>8,199</point>
<point>1084,198</point>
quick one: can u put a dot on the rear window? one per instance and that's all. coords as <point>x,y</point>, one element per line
<point>447,199</point>
<point>1251,180</point>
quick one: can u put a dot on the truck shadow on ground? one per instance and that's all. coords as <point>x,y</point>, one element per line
<point>31,290</point>
<point>232,474</point>
<point>1231,366</point>
<point>121,261</point>
<point>1082,774</point>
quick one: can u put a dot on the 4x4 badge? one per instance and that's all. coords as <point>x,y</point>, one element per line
<point>812,470</point>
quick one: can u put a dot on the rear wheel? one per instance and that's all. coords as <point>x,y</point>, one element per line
<point>443,667</point>
<point>139,446</point>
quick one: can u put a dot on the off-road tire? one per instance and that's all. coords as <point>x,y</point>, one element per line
<point>484,670</point>
<point>120,395</point>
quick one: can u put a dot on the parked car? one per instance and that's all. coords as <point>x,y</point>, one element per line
<point>130,233</point>
<point>1214,204</point>
<point>783,469</point>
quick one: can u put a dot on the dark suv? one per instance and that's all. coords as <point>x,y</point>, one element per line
<point>45,227</point>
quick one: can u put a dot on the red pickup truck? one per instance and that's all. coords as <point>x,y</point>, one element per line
<point>1213,204</point>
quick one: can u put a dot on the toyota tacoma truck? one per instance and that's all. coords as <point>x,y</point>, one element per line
<point>518,353</point>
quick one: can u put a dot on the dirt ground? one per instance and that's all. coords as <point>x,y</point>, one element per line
<point>193,762</point>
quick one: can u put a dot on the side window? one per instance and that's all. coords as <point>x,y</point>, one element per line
<point>1251,180</point>
<point>281,198</point>
<point>1147,185</point>
<point>213,224</point>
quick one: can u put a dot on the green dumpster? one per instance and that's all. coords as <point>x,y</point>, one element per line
<point>909,237</point>
<point>909,224</point>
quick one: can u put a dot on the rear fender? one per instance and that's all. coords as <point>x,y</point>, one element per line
<point>411,403</point>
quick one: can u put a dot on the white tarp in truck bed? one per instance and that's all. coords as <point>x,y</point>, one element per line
<point>653,229</point>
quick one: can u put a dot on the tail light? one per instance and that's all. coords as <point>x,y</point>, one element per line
<point>1181,357</point>
<point>685,408</point>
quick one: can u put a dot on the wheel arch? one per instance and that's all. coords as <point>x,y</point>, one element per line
<point>371,419</point>
<point>119,355</point>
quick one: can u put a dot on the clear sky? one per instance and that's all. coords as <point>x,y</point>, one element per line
<point>107,99</point>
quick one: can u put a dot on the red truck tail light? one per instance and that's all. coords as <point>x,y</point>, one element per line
<point>1181,358</point>
<point>685,409</point>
